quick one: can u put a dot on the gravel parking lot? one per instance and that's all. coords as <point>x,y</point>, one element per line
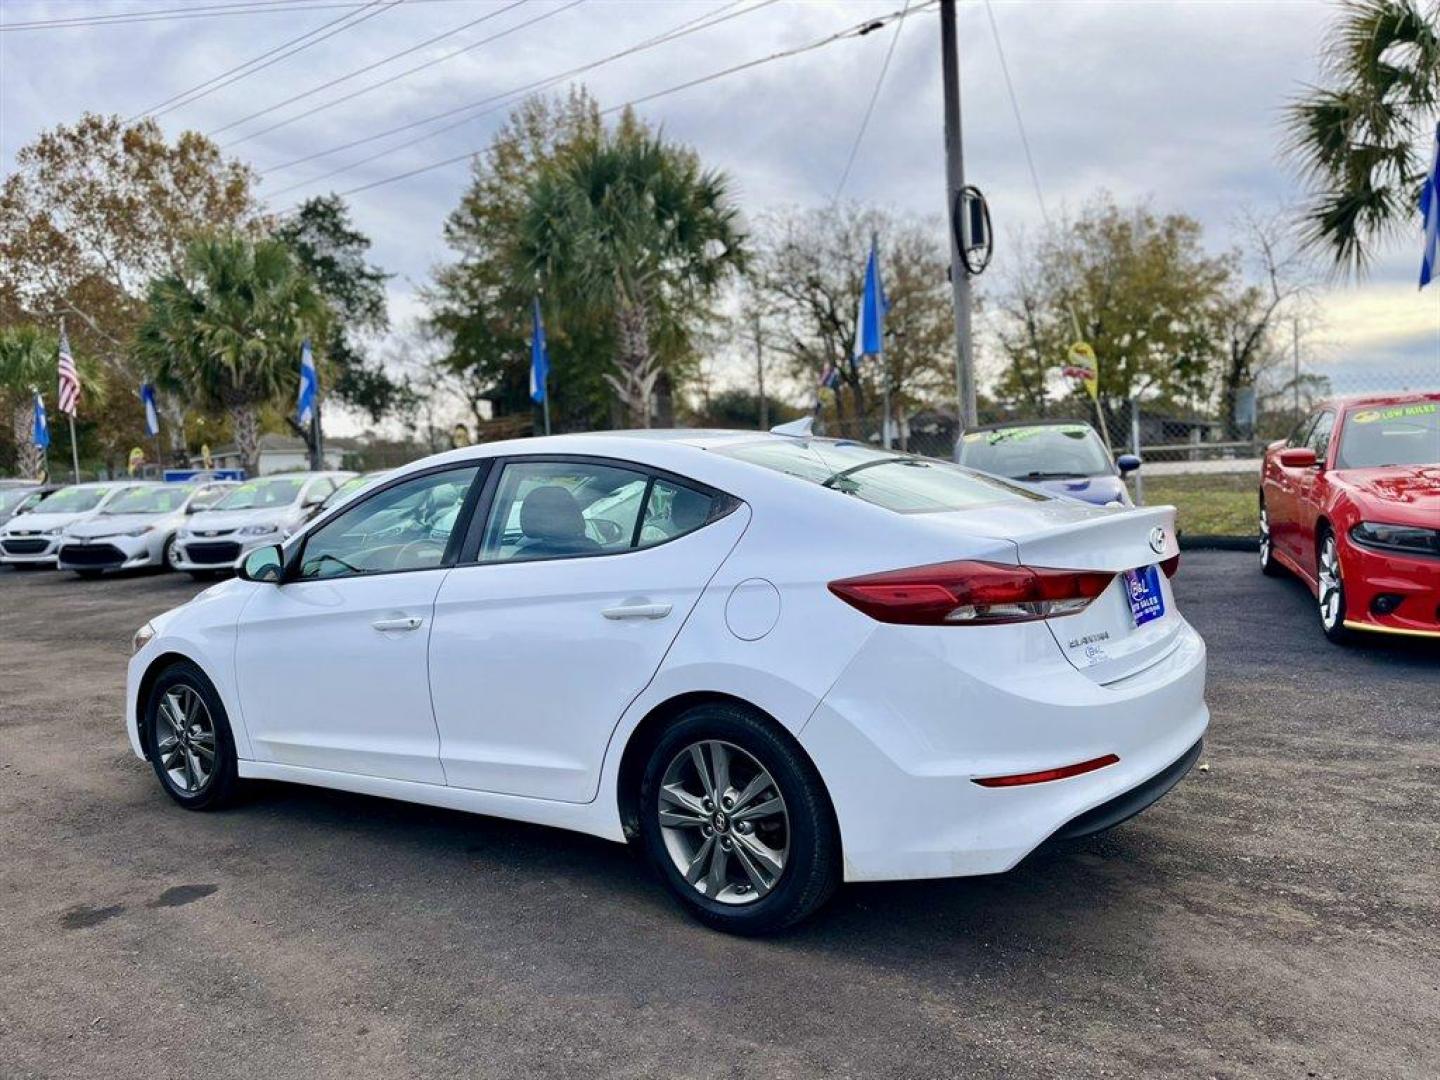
<point>1278,915</point>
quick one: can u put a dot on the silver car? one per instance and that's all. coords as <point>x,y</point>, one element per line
<point>252,514</point>
<point>33,539</point>
<point>137,528</point>
<point>22,497</point>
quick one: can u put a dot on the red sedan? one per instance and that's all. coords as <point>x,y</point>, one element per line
<point>1350,503</point>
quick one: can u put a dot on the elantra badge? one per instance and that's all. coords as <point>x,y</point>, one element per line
<point>1157,540</point>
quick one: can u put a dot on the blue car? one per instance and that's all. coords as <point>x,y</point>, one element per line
<point>1060,457</point>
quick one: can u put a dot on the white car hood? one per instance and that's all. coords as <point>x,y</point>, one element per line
<point>37,522</point>
<point>210,520</point>
<point>113,524</point>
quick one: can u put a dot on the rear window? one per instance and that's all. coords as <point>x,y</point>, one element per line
<point>1037,452</point>
<point>1391,435</point>
<point>899,482</point>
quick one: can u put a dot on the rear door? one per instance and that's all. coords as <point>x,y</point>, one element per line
<point>579,576</point>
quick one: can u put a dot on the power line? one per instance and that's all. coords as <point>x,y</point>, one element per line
<point>784,54</point>
<point>362,70</point>
<point>870,108</point>
<point>1015,108</point>
<point>259,63</point>
<point>241,7</point>
<point>704,22</point>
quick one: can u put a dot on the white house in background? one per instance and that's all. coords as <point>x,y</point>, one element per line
<point>278,453</point>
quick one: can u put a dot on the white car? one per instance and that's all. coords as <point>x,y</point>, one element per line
<point>135,529</point>
<point>793,661</point>
<point>33,539</point>
<point>252,514</point>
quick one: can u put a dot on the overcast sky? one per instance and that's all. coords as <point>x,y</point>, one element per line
<point>1177,103</point>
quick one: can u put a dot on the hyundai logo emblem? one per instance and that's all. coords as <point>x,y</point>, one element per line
<point>1157,540</point>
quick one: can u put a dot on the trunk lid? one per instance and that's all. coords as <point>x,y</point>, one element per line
<point>1108,640</point>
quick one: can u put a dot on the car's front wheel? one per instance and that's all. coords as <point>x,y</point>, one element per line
<point>1330,589</point>
<point>189,739</point>
<point>736,821</point>
<point>1268,566</point>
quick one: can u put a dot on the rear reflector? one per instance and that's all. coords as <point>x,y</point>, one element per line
<point>1045,775</point>
<point>971,593</point>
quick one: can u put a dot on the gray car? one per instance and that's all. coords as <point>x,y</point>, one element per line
<point>136,529</point>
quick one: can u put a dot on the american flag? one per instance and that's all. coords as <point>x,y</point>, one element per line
<point>69,397</point>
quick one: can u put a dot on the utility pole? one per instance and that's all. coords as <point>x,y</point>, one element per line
<point>954,186</point>
<point>760,377</point>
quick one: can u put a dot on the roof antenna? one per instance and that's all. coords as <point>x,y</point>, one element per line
<point>798,429</point>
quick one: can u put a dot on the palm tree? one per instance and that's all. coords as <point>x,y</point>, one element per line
<point>1357,138</point>
<point>28,358</point>
<point>632,227</point>
<point>226,329</point>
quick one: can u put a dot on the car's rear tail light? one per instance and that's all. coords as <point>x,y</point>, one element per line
<point>1171,564</point>
<point>1045,775</point>
<point>971,593</point>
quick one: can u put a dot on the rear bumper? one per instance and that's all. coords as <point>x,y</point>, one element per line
<point>917,718</point>
<point>1371,574</point>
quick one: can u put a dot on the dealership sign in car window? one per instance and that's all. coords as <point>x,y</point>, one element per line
<point>1398,412</point>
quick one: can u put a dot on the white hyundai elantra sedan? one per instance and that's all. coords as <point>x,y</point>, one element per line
<point>774,662</point>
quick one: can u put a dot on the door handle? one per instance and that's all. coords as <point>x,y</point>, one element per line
<point>637,611</point>
<point>408,622</point>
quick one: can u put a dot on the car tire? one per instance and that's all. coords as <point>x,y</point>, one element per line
<point>89,575</point>
<point>167,555</point>
<point>189,741</point>
<point>202,575</point>
<point>1268,566</point>
<point>738,881</point>
<point>1330,588</point>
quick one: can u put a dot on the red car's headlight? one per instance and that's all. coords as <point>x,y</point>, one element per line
<point>1408,539</point>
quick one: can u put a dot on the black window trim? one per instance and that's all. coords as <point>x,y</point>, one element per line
<point>722,504</point>
<point>296,557</point>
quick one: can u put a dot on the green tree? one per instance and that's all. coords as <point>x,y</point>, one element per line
<point>479,307</point>
<point>1139,288</point>
<point>27,363</point>
<point>1359,135</point>
<point>90,214</point>
<point>631,228</point>
<point>333,252</point>
<point>228,328</point>
<point>808,275</point>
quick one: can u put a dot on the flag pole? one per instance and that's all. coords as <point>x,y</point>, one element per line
<point>545,403</point>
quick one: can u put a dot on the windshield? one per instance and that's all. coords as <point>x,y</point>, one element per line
<point>1037,452</point>
<point>905,484</point>
<point>258,494</point>
<point>148,500</point>
<point>10,498</point>
<point>75,500</point>
<point>1393,435</point>
<point>349,487</point>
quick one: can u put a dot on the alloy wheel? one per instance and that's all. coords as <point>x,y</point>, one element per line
<point>724,822</point>
<point>185,739</point>
<point>1264,537</point>
<point>1331,594</point>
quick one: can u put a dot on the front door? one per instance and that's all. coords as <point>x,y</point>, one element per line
<point>332,664</point>
<point>1309,490</point>
<point>583,575</point>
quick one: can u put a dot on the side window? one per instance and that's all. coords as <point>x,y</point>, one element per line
<point>558,510</point>
<point>1302,431</point>
<point>1319,437</point>
<point>673,510</point>
<point>406,527</point>
<point>207,497</point>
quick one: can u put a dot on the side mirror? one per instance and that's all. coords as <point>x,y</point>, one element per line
<point>1297,457</point>
<point>264,564</point>
<point>1127,463</point>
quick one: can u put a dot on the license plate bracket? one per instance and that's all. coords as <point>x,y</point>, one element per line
<point>1142,589</point>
